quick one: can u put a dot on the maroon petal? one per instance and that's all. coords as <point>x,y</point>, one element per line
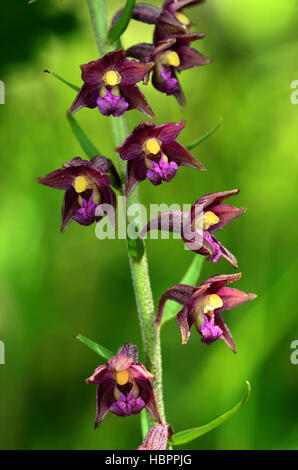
<point>142,12</point>
<point>216,282</point>
<point>212,199</point>
<point>226,253</point>
<point>168,25</point>
<point>226,334</point>
<point>100,178</point>
<point>226,214</point>
<point>132,147</point>
<point>104,400</point>
<point>213,202</point>
<point>179,154</point>
<point>147,393</point>
<point>232,297</point>
<point>162,46</point>
<point>136,172</point>
<point>136,99</point>
<point>70,205</point>
<point>60,179</point>
<point>186,39</point>
<point>132,72</point>
<point>198,243</point>
<point>76,161</point>
<point>176,5</point>
<point>120,362</point>
<point>166,133</point>
<point>86,97</point>
<point>190,58</point>
<point>141,51</point>
<point>100,375</point>
<point>179,95</point>
<point>146,13</point>
<point>182,320</point>
<point>92,73</point>
<point>171,221</point>
<point>107,197</point>
<point>180,293</point>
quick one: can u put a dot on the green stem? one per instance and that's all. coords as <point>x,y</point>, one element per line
<point>139,269</point>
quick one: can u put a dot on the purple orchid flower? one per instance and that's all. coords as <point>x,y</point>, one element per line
<point>124,386</point>
<point>87,186</point>
<point>110,85</point>
<point>157,438</point>
<point>196,227</point>
<point>170,55</point>
<point>203,306</point>
<point>153,153</point>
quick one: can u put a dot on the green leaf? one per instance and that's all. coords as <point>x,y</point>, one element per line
<point>71,85</point>
<point>100,350</point>
<point>201,139</point>
<point>121,24</point>
<point>191,277</point>
<point>82,138</point>
<point>136,247</point>
<point>190,434</point>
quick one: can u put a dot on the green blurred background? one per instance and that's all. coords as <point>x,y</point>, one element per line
<point>54,286</point>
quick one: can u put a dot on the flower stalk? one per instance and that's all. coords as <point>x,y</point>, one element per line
<point>139,269</point>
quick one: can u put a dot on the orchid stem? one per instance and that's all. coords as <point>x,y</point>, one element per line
<point>139,269</point>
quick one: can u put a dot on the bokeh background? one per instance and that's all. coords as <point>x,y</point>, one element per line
<point>54,286</point>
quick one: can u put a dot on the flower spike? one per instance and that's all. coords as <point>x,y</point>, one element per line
<point>203,306</point>
<point>110,85</point>
<point>124,386</point>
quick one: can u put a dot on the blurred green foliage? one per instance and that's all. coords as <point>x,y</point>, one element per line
<point>55,286</point>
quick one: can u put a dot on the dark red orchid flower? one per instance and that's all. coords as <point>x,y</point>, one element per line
<point>86,185</point>
<point>110,85</point>
<point>152,152</point>
<point>203,306</point>
<point>124,386</point>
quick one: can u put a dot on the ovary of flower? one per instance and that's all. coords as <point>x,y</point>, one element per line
<point>80,184</point>
<point>112,78</point>
<point>122,377</point>
<point>152,146</point>
<point>172,58</point>
<point>182,18</point>
<point>209,219</point>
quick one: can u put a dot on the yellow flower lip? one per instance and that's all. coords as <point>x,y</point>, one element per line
<point>122,377</point>
<point>152,146</point>
<point>213,302</point>
<point>207,304</point>
<point>112,78</point>
<point>182,18</point>
<point>173,59</point>
<point>209,219</point>
<point>80,184</point>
